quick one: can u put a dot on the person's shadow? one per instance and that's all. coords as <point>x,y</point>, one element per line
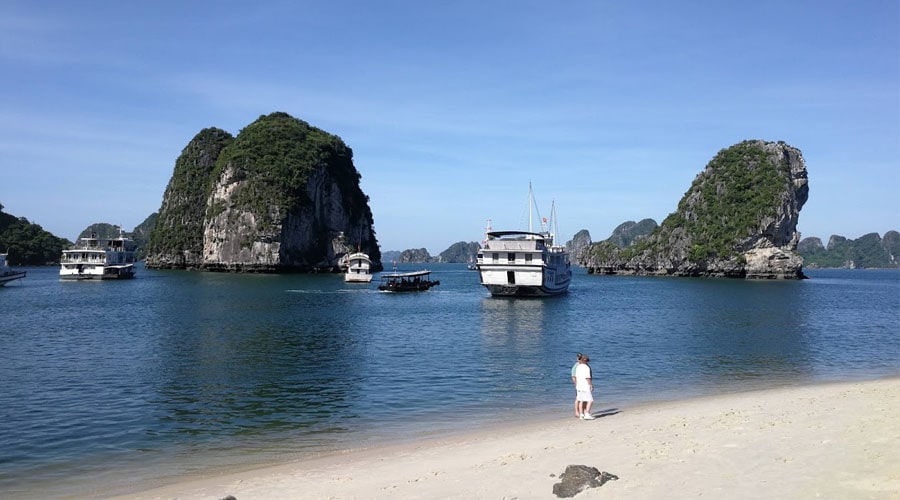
<point>605,413</point>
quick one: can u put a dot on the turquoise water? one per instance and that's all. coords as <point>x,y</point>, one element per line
<point>177,372</point>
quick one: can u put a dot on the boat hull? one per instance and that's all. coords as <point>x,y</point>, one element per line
<point>546,288</point>
<point>97,272</point>
<point>418,287</point>
<point>526,291</point>
<point>11,276</point>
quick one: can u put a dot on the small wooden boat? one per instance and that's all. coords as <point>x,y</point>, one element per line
<point>416,281</point>
<point>7,274</point>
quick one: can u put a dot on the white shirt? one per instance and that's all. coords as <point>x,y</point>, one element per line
<point>582,377</point>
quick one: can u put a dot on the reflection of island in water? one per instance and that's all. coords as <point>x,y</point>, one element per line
<point>760,340</point>
<point>238,362</point>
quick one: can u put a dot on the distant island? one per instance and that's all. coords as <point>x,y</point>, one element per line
<point>459,252</point>
<point>867,251</point>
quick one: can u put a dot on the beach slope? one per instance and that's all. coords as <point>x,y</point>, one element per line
<point>839,440</point>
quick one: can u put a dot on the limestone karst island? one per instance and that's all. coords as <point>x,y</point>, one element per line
<point>281,196</point>
<point>737,220</point>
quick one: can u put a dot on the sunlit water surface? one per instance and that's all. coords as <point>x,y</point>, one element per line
<point>139,382</point>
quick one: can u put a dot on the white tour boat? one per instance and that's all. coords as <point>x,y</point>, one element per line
<point>525,263</point>
<point>359,268</point>
<point>93,258</point>
<point>6,274</point>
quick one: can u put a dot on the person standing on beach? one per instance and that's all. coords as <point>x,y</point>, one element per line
<point>584,387</point>
<point>577,403</point>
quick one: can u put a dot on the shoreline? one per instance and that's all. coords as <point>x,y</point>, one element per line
<point>831,440</point>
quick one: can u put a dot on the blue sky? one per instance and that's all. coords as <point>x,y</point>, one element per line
<point>451,108</point>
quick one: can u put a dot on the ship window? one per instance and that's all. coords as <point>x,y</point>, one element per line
<point>528,258</point>
<point>511,256</point>
<point>496,257</point>
<point>511,277</point>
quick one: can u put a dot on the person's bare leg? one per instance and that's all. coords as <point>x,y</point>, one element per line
<point>587,410</point>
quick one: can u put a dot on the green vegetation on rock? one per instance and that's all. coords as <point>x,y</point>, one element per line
<point>628,232</point>
<point>28,244</point>
<point>460,252</point>
<point>179,227</point>
<point>281,196</point>
<point>738,219</point>
<point>725,204</point>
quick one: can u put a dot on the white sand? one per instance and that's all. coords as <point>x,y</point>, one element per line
<point>838,441</point>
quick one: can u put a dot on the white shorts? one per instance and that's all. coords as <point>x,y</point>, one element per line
<point>584,396</point>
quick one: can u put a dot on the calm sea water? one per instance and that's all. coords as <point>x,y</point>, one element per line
<point>138,382</point>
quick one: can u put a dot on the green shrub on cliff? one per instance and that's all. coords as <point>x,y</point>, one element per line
<point>277,154</point>
<point>739,187</point>
<point>179,226</point>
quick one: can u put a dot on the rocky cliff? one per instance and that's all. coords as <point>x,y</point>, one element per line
<point>280,196</point>
<point>579,243</point>
<point>738,219</point>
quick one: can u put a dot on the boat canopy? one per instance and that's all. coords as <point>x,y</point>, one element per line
<point>412,274</point>
<point>512,234</point>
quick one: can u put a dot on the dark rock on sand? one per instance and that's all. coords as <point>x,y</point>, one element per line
<point>578,478</point>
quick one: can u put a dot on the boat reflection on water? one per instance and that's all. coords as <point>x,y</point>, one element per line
<point>505,318</point>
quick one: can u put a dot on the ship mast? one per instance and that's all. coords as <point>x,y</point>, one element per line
<point>553,222</point>
<point>530,207</point>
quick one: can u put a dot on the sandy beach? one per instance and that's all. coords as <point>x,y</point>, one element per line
<point>839,440</point>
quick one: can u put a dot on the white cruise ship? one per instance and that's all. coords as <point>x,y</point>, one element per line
<point>98,259</point>
<point>524,263</point>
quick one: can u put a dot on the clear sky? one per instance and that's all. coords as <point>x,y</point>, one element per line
<point>610,108</point>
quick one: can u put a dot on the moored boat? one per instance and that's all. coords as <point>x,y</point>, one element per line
<point>6,274</point>
<point>94,258</point>
<point>359,268</point>
<point>415,281</point>
<point>524,263</point>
